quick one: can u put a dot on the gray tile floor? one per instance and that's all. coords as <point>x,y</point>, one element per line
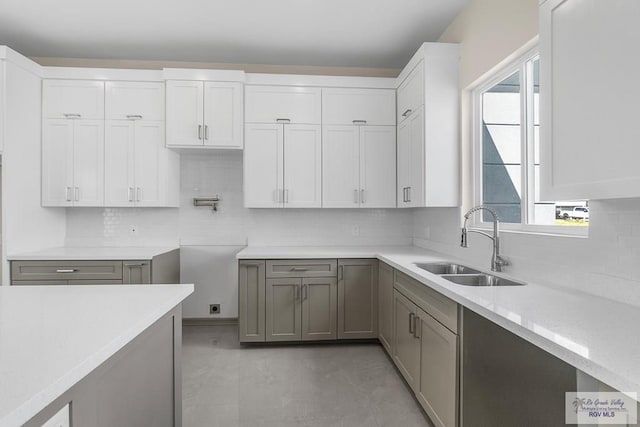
<point>226,384</point>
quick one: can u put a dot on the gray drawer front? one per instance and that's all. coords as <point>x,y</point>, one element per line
<point>434,303</point>
<point>64,282</point>
<point>302,268</point>
<point>66,270</point>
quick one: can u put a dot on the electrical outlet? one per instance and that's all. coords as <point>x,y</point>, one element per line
<point>355,230</point>
<point>214,308</point>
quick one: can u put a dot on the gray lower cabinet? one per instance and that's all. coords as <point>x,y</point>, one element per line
<point>357,298</point>
<point>385,306</point>
<point>162,268</point>
<point>283,309</point>
<point>425,349</point>
<point>319,309</point>
<point>251,300</point>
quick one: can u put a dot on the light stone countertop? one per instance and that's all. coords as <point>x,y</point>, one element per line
<point>594,334</point>
<point>51,337</point>
<point>68,253</point>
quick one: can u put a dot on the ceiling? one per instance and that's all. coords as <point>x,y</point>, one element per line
<point>351,33</point>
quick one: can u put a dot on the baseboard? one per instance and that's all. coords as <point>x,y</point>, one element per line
<point>209,321</point>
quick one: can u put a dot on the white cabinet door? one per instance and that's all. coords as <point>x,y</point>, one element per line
<point>340,166</point>
<point>302,166</point>
<point>588,106</point>
<point>223,114</point>
<point>57,162</point>
<point>342,106</point>
<point>263,165</point>
<point>377,166</point>
<point>417,159</point>
<point>411,93</point>
<point>185,113</point>
<point>88,162</point>
<point>270,104</point>
<point>119,163</point>
<point>403,163</point>
<point>79,99</point>
<point>150,160</point>
<point>134,100</point>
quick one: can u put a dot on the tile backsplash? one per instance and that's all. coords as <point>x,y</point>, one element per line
<point>220,173</point>
<point>607,263</point>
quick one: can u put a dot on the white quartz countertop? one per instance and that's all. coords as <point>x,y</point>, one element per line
<point>53,336</point>
<point>594,334</point>
<point>65,253</point>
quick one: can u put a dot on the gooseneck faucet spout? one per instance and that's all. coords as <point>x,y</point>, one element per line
<point>497,262</point>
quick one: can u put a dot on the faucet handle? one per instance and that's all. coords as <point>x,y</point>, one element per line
<point>501,262</point>
<point>463,237</point>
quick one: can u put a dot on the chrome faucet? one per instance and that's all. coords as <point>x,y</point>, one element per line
<point>497,262</point>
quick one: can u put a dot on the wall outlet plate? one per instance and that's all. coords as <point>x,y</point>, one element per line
<point>214,308</point>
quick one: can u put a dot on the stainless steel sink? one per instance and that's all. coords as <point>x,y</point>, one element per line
<point>446,268</point>
<point>481,280</point>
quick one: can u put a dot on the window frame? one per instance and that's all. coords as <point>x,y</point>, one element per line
<point>523,64</point>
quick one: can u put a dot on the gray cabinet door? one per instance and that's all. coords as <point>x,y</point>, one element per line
<point>357,298</point>
<point>251,301</point>
<point>136,272</point>
<point>438,391</point>
<point>319,309</point>
<point>283,306</point>
<point>385,306</point>
<point>406,351</point>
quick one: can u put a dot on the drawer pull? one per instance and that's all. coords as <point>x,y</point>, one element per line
<point>416,322</point>
<point>412,324</point>
<point>66,270</point>
<point>299,269</point>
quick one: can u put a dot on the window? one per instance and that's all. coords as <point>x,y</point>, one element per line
<point>507,154</point>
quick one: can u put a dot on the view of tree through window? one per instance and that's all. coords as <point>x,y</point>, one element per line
<point>510,154</point>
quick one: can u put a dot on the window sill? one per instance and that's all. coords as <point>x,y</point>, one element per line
<point>538,230</point>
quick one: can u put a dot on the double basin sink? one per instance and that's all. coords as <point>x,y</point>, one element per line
<point>467,276</point>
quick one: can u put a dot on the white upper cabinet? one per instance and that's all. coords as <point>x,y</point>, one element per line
<point>263,166</point>
<point>134,100</point>
<point>223,115</point>
<point>345,106</point>
<point>302,166</point>
<point>589,138</point>
<point>74,99</point>
<point>428,128</point>
<point>204,114</point>
<point>359,166</point>
<point>57,162</point>
<point>411,92</point>
<point>283,104</point>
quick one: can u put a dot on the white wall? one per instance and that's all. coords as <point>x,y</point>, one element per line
<point>607,262</point>
<point>26,226</point>
<point>210,240</point>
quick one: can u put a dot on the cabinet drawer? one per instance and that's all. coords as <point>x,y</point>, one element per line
<point>411,93</point>
<point>358,106</point>
<point>283,104</point>
<point>66,270</point>
<point>134,101</point>
<point>302,268</point>
<point>72,99</point>
<point>434,303</point>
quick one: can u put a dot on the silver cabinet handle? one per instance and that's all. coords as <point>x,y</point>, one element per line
<point>412,325</point>
<point>406,113</point>
<point>361,196</point>
<point>404,194</point>
<point>283,120</point>
<point>66,270</point>
<point>296,292</point>
<point>71,115</point>
<point>134,117</point>
<point>359,122</point>
<point>67,191</point>
<point>298,269</point>
<point>199,131</point>
<point>77,193</point>
<point>416,322</point>
<point>130,194</point>
<point>206,132</point>
<point>139,194</point>
<point>355,196</point>
<point>135,264</point>
<point>340,272</point>
<point>408,194</point>
<point>305,292</point>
